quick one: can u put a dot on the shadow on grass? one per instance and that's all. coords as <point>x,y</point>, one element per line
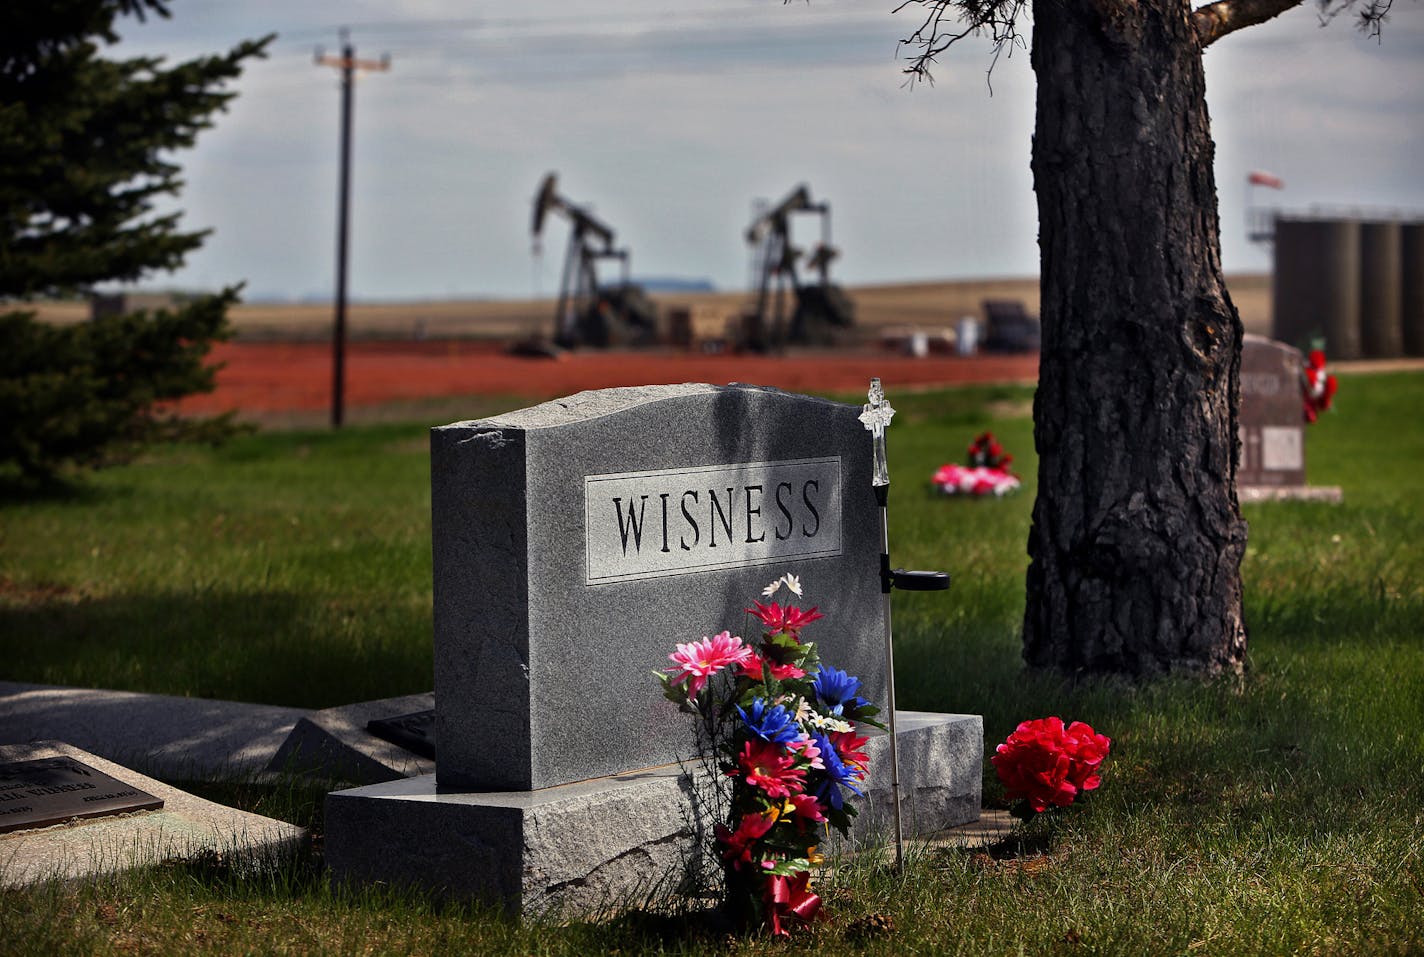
<point>15,490</point>
<point>269,647</point>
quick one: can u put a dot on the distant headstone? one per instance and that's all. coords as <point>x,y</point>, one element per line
<point>1272,422</point>
<point>1272,426</point>
<point>53,790</point>
<point>577,541</point>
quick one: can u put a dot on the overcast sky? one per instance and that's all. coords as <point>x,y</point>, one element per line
<point>668,119</point>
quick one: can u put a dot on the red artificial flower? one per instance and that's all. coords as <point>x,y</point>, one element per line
<point>1317,386</point>
<point>1046,764</point>
<point>765,765</point>
<point>778,619</point>
<point>1088,749</point>
<point>848,746</point>
<point>738,850</point>
<point>752,666</point>
<point>787,899</point>
<point>807,808</point>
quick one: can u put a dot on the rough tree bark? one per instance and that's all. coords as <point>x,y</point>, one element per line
<point>1137,534</point>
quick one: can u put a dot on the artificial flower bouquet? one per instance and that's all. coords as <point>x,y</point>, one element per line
<point>1045,763</point>
<point>986,474</point>
<point>1316,385</point>
<point>782,727</point>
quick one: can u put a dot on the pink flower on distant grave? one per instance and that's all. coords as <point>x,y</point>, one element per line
<point>768,766</point>
<point>698,661</point>
<point>789,620</point>
<point>972,480</point>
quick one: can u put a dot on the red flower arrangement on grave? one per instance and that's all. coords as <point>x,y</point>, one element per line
<point>1046,764</point>
<point>781,727</point>
<point>986,474</point>
<point>1316,385</point>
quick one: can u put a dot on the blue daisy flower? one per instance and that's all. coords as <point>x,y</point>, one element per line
<point>774,724</point>
<point>838,775</point>
<point>837,690</point>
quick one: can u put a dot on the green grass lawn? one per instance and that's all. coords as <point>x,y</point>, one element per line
<point>1280,813</point>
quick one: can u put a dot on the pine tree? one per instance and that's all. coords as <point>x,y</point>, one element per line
<point>84,142</point>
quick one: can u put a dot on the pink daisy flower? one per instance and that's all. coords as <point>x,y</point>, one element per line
<point>697,661</point>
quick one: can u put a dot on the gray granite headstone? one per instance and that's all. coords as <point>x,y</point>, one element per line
<point>1272,422</point>
<point>576,542</point>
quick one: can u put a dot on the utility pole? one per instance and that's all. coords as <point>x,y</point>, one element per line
<point>347,64</point>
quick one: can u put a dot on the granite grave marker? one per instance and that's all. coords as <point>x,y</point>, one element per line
<point>1272,423</point>
<point>577,541</point>
<point>1272,426</point>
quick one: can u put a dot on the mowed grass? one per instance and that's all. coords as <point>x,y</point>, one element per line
<point>1281,813</point>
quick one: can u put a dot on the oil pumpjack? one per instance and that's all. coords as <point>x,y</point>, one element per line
<point>822,310</point>
<point>588,312</point>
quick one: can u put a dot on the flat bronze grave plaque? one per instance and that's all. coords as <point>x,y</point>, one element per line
<point>54,790</point>
<point>414,732</point>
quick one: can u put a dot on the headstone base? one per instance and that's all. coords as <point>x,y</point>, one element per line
<point>185,827</point>
<point>602,845</point>
<point>1248,494</point>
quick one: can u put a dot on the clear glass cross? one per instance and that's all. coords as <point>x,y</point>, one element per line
<point>876,417</point>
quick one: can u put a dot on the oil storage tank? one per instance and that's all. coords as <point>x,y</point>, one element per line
<point>1381,290</point>
<point>1412,287</point>
<point>1316,284</point>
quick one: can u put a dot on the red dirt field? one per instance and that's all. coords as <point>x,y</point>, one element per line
<point>262,378</point>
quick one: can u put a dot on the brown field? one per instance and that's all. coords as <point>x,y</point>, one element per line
<point>923,305</point>
<point>430,359</point>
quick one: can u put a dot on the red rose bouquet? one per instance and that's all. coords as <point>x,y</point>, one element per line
<point>1043,763</point>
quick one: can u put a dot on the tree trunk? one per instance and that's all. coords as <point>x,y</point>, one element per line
<point>1137,534</point>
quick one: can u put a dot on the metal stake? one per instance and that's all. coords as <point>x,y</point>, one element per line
<point>876,416</point>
